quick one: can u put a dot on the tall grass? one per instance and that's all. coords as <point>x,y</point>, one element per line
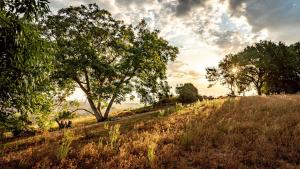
<point>64,148</point>
<point>246,132</point>
<point>114,135</point>
<point>151,154</point>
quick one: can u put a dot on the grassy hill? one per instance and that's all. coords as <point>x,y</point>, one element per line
<point>246,132</point>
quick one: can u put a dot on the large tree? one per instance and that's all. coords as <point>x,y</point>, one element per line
<point>25,63</point>
<point>255,62</point>
<point>107,59</point>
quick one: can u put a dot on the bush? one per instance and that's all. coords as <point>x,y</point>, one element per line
<point>63,119</point>
<point>167,101</point>
<point>188,93</point>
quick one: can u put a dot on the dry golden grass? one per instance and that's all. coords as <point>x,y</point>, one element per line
<point>246,132</point>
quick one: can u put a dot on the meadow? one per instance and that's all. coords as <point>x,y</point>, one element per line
<point>242,132</point>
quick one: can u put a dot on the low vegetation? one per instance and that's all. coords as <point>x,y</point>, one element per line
<point>241,132</point>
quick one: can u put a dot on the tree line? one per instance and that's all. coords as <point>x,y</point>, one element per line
<point>45,56</point>
<point>266,66</point>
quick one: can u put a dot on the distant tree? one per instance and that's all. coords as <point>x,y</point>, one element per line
<point>285,72</point>
<point>265,66</point>
<point>25,64</point>
<point>105,58</point>
<point>226,74</point>
<point>187,92</point>
<point>255,62</point>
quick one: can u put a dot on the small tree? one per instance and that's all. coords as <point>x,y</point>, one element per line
<point>226,74</point>
<point>69,109</point>
<point>188,93</point>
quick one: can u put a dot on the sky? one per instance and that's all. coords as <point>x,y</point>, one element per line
<point>204,30</point>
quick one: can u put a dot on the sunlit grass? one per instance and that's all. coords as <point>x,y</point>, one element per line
<point>242,132</point>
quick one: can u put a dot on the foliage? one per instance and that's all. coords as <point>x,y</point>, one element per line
<point>224,74</point>
<point>42,107</point>
<point>107,59</point>
<point>188,93</point>
<point>29,10</point>
<point>63,119</point>
<point>25,65</point>
<point>65,115</point>
<point>265,66</point>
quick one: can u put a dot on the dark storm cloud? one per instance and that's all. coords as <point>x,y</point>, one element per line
<point>185,6</point>
<point>272,14</point>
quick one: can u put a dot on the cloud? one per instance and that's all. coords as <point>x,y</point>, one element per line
<point>267,14</point>
<point>109,5</point>
<point>181,70</point>
<point>185,6</point>
<point>205,30</point>
<point>136,2</point>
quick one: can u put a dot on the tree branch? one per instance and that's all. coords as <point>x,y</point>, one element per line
<point>81,86</point>
<point>83,110</point>
<point>87,80</point>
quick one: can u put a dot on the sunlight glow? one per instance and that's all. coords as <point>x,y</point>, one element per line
<point>234,70</point>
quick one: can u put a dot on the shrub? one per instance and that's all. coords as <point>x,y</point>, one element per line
<point>65,145</point>
<point>188,93</point>
<point>161,113</point>
<point>166,101</point>
<point>63,117</point>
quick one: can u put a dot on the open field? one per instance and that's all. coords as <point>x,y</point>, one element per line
<point>243,132</point>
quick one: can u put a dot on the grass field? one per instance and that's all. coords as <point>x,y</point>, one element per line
<point>244,132</point>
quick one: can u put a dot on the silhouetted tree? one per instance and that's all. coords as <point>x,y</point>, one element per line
<point>265,66</point>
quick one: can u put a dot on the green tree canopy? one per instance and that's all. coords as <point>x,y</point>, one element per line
<point>107,59</point>
<point>25,63</point>
<point>188,93</point>
<point>265,66</point>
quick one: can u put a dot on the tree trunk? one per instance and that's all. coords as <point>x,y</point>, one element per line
<point>97,113</point>
<point>109,107</point>
<point>259,91</point>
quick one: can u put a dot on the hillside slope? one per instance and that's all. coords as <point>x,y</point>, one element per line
<point>246,132</point>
